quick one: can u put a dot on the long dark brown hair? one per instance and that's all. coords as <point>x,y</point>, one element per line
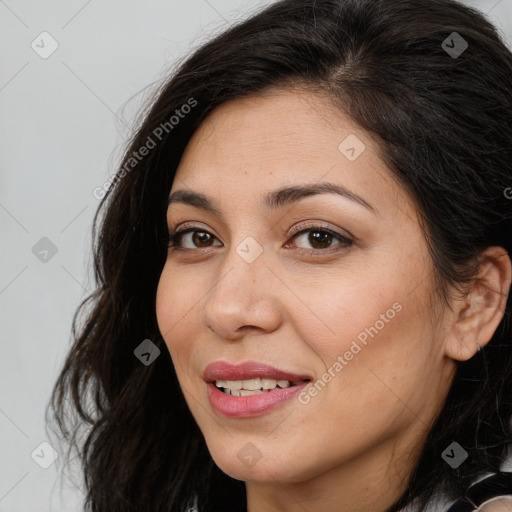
<point>445,125</point>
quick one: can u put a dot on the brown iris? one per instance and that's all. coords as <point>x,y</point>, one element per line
<point>320,237</point>
<point>199,237</point>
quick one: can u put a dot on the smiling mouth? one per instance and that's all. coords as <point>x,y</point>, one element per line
<point>255,386</point>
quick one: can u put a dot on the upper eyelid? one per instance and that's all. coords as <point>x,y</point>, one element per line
<point>318,225</point>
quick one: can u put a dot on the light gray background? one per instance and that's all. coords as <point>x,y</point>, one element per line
<point>63,124</point>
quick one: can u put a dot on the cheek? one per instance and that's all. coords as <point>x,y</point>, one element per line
<point>172,318</point>
<point>341,311</point>
<point>360,299</point>
<point>369,338</point>
<point>163,304</point>
<point>175,296</point>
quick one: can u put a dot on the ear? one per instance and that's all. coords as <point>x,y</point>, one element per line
<point>478,313</point>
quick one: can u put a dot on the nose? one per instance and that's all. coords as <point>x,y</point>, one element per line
<point>243,298</point>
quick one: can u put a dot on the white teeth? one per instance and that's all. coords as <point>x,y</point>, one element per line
<point>231,384</point>
<point>251,386</point>
<point>248,392</point>
<point>268,383</point>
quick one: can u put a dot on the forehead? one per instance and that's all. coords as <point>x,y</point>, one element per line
<point>253,145</point>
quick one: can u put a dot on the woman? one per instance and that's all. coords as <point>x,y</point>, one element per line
<point>303,273</point>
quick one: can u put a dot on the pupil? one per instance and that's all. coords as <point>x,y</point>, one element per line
<point>197,237</point>
<point>319,237</point>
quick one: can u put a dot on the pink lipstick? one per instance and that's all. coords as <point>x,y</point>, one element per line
<point>251,388</point>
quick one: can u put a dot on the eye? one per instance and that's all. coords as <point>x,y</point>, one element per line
<point>319,237</point>
<point>199,236</point>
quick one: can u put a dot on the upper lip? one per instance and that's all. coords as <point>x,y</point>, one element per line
<point>222,370</point>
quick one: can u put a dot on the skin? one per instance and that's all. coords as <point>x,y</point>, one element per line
<point>497,505</point>
<point>353,446</point>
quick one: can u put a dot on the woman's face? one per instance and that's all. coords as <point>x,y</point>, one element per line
<point>348,308</point>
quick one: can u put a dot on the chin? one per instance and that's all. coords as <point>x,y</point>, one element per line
<point>264,470</point>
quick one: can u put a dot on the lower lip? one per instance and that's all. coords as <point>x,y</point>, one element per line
<point>251,405</point>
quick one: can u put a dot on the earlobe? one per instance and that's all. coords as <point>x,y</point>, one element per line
<point>478,314</point>
<point>461,348</point>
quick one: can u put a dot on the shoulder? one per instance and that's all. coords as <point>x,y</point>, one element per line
<point>497,504</point>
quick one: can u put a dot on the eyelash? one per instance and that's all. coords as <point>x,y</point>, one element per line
<point>173,239</point>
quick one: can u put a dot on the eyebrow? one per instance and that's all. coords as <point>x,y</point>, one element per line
<point>273,200</point>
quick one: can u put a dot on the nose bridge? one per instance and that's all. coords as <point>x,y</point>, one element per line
<point>241,271</point>
<point>239,296</point>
